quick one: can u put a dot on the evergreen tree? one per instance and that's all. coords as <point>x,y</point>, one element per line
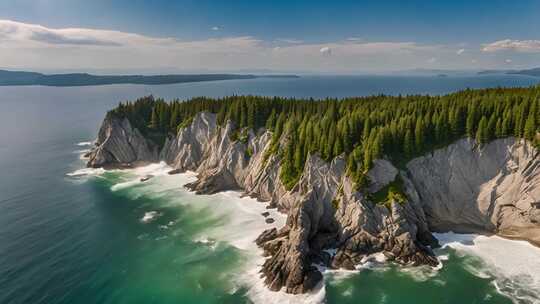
<point>482,132</point>
<point>367,128</point>
<point>419,135</point>
<point>363,129</point>
<point>530,127</point>
<point>471,121</point>
<point>408,145</point>
<point>154,121</point>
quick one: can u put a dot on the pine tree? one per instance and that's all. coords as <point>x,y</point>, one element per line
<point>471,120</point>
<point>482,132</point>
<point>367,129</point>
<point>419,135</point>
<point>271,122</point>
<point>408,145</point>
<point>530,127</point>
<point>338,147</point>
<point>298,158</point>
<point>174,119</point>
<point>154,121</point>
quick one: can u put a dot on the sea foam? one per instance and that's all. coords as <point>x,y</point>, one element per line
<point>86,172</point>
<point>85,143</point>
<point>150,216</point>
<point>515,265</point>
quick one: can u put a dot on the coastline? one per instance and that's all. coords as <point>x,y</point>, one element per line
<point>259,293</point>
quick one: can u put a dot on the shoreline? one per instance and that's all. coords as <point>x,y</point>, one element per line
<point>258,292</point>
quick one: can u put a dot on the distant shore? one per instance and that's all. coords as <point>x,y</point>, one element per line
<point>20,78</point>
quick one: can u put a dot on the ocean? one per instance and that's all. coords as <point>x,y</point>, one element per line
<point>75,235</point>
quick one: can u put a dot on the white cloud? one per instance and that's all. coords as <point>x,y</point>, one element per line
<point>216,28</point>
<point>526,46</point>
<point>508,60</point>
<point>460,51</point>
<point>290,40</point>
<point>326,51</point>
<point>31,46</point>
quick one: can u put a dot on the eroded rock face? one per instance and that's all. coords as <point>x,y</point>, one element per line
<point>458,188</point>
<point>119,144</point>
<point>382,173</point>
<point>488,189</point>
<point>400,231</point>
<point>185,151</point>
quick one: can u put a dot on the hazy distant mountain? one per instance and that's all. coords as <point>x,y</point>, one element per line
<point>489,72</point>
<point>435,72</point>
<point>530,72</point>
<point>13,78</point>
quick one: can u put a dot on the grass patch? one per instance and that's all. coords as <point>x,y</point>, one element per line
<point>392,192</point>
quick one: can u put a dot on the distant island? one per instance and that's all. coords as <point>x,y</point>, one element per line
<point>535,72</point>
<point>19,78</point>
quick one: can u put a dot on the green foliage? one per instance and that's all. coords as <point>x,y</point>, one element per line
<point>335,204</point>
<point>392,192</point>
<point>362,129</point>
<point>249,152</point>
<point>244,136</point>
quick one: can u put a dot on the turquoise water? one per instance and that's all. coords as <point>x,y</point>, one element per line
<point>78,236</point>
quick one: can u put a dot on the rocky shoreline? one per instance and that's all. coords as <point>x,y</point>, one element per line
<point>461,188</point>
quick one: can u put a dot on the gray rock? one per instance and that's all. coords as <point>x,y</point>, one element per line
<point>491,189</point>
<point>118,144</point>
<point>382,173</point>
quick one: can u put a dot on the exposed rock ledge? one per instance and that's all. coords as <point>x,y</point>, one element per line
<point>493,189</point>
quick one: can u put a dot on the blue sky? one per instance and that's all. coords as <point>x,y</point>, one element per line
<point>318,36</point>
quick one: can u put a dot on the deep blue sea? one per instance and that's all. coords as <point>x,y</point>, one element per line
<point>74,235</point>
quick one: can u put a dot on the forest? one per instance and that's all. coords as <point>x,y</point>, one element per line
<point>361,128</point>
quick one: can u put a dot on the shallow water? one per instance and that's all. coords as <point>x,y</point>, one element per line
<point>74,235</point>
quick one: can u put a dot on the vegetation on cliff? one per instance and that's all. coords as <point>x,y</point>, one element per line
<point>363,128</point>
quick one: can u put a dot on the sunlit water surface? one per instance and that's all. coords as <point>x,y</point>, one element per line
<point>73,235</point>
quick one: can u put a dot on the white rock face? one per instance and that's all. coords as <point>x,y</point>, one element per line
<point>382,173</point>
<point>185,151</point>
<point>493,189</point>
<point>119,144</point>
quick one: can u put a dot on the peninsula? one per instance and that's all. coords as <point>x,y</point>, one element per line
<point>16,78</point>
<point>355,176</point>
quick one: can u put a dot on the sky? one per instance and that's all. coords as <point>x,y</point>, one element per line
<point>348,37</point>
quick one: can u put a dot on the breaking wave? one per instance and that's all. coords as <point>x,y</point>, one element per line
<point>515,265</point>
<point>85,143</point>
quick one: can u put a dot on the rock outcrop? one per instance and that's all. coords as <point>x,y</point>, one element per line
<point>119,144</point>
<point>490,189</point>
<point>493,189</point>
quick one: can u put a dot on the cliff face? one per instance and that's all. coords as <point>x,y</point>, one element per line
<point>120,144</point>
<point>459,188</point>
<point>494,188</point>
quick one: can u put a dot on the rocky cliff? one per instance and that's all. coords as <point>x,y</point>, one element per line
<point>464,188</point>
<point>490,189</point>
<point>119,144</point>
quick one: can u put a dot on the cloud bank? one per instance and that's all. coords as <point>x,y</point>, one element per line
<point>32,46</point>
<point>526,46</point>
